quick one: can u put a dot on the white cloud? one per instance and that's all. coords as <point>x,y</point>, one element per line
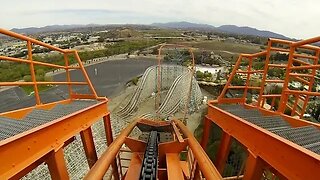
<point>294,18</point>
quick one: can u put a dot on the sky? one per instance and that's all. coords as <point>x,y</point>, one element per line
<point>292,18</point>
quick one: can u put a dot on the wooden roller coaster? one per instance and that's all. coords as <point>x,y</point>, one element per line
<point>282,142</point>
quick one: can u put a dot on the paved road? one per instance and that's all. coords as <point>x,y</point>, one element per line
<point>110,79</point>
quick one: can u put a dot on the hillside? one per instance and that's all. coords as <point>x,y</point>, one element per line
<point>224,28</point>
<point>245,30</point>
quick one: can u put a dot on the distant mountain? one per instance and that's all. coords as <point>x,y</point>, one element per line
<point>225,28</point>
<point>245,30</point>
<point>183,25</point>
<point>170,25</point>
<point>52,28</point>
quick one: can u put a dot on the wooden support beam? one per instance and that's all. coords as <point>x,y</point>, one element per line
<point>223,152</point>
<point>88,145</point>
<point>57,165</point>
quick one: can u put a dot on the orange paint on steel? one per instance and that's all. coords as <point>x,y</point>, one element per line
<point>23,149</point>
<point>174,170</point>
<point>301,62</point>
<point>294,122</point>
<point>301,75</point>
<point>57,165</point>
<point>31,63</point>
<point>253,168</point>
<point>312,80</point>
<point>103,163</point>
<point>278,65</point>
<point>290,43</point>
<point>177,132</point>
<point>223,151</point>
<point>302,92</point>
<point>301,80</point>
<point>28,62</point>
<point>305,67</point>
<point>109,138</point>
<point>68,78</point>
<point>306,56</point>
<point>25,38</point>
<point>206,132</point>
<point>33,75</point>
<point>279,49</point>
<point>307,41</point>
<point>271,95</point>
<point>40,83</point>
<point>273,102</point>
<point>233,73</point>
<point>247,84</point>
<point>295,105</point>
<point>134,169</point>
<point>296,161</point>
<point>274,81</point>
<point>243,87</point>
<point>93,91</point>
<point>284,96</point>
<point>206,167</point>
<point>250,72</point>
<point>88,145</point>
<point>20,113</point>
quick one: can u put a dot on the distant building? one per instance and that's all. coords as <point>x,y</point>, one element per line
<point>212,70</point>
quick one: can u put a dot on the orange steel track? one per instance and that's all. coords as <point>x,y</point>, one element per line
<point>23,152</point>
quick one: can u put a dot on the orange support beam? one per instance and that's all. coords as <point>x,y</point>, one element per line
<point>106,159</point>
<point>109,137</point>
<point>57,165</point>
<point>223,152</point>
<point>22,150</point>
<point>88,144</point>
<point>134,169</point>
<point>205,165</point>
<point>254,167</point>
<point>174,169</point>
<point>291,160</point>
<point>206,133</point>
<point>33,74</point>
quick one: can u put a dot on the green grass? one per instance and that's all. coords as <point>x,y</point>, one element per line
<point>225,46</point>
<point>29,89</point>
<point>10,72</point>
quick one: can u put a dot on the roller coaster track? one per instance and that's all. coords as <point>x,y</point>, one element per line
<point>168,98</point>
<point>166,107</point>
<point>130,106</point>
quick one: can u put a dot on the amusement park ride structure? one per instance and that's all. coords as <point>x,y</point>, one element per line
<point>286,145</point>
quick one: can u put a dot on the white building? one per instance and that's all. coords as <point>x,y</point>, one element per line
<point>212,70</point>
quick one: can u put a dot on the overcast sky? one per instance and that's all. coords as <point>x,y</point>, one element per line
<point>293,18</point>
